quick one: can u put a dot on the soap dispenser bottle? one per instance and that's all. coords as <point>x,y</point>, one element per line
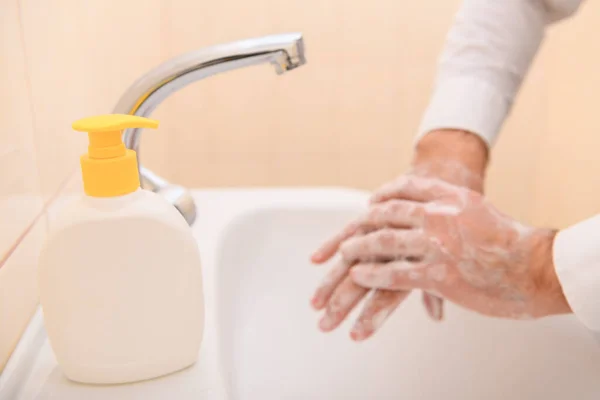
<point>119,274</point>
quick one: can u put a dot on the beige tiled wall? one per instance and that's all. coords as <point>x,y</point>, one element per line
<point>568,187</point>
<point>346,118</point>
<point>20,196</point>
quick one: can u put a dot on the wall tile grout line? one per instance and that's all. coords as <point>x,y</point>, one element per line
<point>35,220</point>
<point>48,202</point>
<point>28,84</point>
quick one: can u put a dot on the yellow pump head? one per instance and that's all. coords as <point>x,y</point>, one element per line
<point>110,169</point>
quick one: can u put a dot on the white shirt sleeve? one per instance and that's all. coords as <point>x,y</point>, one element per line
<point>576,255</point>
<point>488,51</point>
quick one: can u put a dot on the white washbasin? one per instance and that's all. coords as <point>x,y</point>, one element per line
<point>271,349</point>
<point>262,342</point>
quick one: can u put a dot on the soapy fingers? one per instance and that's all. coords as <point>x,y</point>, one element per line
<point>332,280</point>
<point>406,211</point>
<point>394,213</point>
<point>345,297</point>
<point>386,244</point>
<point>397,204</point>
<point>416,189</point>
<point>398,275</point>
<point>378,307</point>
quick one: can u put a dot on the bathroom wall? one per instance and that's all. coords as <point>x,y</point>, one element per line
<point>568,188</point>
<point>346,118</point>
<point>20,196</point>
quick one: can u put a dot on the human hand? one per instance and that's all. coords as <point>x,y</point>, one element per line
<point>450,241</point>
<point>455,156</point>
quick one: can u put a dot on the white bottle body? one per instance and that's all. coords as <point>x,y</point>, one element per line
<point>121,289</point>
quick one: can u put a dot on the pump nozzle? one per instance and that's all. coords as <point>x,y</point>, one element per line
<point>110,169</point>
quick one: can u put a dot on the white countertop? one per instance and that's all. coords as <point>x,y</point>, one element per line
<point>33,374</point>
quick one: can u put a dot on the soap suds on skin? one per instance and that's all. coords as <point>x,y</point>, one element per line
<point>379,318</point>
<point>460,246</point>
<point>414,275</point>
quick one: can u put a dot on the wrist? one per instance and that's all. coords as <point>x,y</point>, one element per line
<point>453,145</point>
<point>458,157</point>
<point>549,299</point>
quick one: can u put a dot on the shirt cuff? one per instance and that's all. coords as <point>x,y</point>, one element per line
<point>576,254</point>
<point>468,104</point>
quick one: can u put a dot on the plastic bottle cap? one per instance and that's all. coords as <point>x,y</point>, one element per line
<point>110,169</point>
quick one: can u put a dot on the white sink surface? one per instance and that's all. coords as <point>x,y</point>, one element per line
<point>272,350</point>
<point>262,342</point>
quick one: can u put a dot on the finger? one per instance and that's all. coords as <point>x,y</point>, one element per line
<point>329,283</point>
<point>434,306</point>
<point>394,275</point>
<point>414,188</point>
<point>330,247</point>
<point>346,296</point>
<point>394,213</point>
<point>386,244</point>
<point>376,311</point>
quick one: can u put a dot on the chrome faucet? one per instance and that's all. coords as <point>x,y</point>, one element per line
<point>285,52</point>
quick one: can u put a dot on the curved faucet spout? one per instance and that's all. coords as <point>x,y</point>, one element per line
<point>284,51</point>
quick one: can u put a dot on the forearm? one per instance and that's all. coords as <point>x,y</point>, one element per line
<point>455,156</point>
<point>455,146</point>
<point>550,295</point>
